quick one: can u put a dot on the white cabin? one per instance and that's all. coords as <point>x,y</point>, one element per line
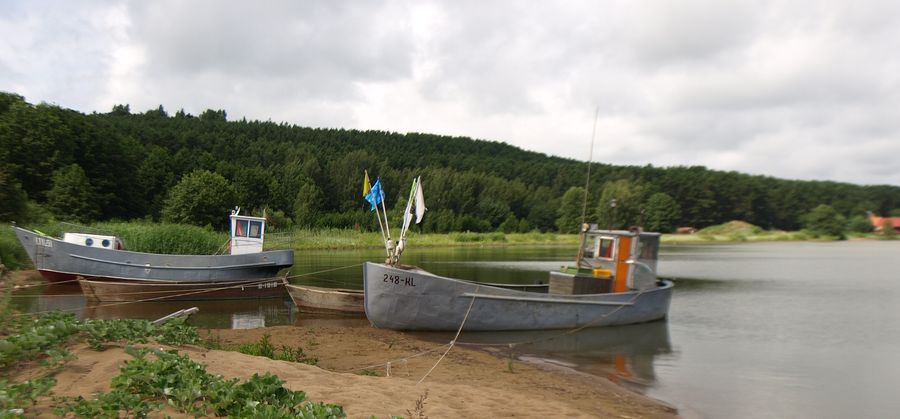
<point>93,240</point>
<point>246,234</point>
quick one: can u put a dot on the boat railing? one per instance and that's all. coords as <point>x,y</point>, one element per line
<point>279,240</point>
<point>79,228</point>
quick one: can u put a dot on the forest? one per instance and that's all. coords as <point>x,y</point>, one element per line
<point>58,163</point>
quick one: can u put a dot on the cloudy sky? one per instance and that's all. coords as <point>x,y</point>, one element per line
<point>802,89</point>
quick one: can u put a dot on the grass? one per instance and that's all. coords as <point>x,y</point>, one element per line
<point>306,239</point>
<point>155,379</point>
<point>264,347</point>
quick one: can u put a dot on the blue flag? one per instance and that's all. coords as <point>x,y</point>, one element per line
<point>375,195</point>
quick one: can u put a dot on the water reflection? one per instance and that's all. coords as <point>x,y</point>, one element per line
<point>224,314</point>
<point>624,354</point>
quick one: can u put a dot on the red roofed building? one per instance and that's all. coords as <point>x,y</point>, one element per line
<point>878,222</point>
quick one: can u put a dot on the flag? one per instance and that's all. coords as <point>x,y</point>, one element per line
<point>366,186</point>
<point>375,195</point>
<point>420,201</point>
<point>408,213</point>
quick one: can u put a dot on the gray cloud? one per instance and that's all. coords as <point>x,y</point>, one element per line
<point>801,89</point>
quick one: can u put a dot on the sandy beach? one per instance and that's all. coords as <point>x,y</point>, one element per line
<point>352,371</point>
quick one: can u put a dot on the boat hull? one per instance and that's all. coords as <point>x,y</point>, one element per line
<point>413,299</point>
<point>309,299</point>
<point>135,291</point>
<point>60,261</point>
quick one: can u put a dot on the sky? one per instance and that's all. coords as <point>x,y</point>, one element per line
<point>801,89</point>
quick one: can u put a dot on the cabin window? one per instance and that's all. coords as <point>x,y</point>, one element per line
<point>647,249</point>
<point>240,228</point>
<point>255,229</point>
<point>605,248</point>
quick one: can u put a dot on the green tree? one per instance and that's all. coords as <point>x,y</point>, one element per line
<point>662,212</point>
<point>628,196</point>
<point>825,220</point>
<point>307,204</point>
<point>569,212</point>
<point>12,198</point>
<point>509,225</point>
<point>72,197</point>
<point>200,198</point>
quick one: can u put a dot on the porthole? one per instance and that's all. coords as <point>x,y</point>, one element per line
<point>89,241</point>
<point>105,242</point>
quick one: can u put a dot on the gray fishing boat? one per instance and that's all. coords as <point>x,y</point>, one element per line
<point>613,283</point>
<point>102,258</point>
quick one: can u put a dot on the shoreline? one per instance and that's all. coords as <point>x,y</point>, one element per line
<point>352,346</point>
<point>352,371</point>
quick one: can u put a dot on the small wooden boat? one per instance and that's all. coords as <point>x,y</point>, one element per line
<point>613,283</point>
<point>310,299</point>
<point>101,258</point>
<point>323,300</point>
<point>134,291</point>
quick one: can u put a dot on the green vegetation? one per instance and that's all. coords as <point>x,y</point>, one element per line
<point>145,385</point>
<point>824,220</point>
<point>194,169</point>
<point>264,347</point>
<point>199,199</point>
<point>154,380</point>
<point>12,254</point>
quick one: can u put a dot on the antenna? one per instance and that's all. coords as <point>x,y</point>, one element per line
<point>587,184</point>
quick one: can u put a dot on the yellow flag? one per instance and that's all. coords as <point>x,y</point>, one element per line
<point>366,186</point>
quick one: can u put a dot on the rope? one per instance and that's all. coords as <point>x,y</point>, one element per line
<point>452,342</point>
<point>399,359</point>
<point>43,284</point>
<point>164,297</point>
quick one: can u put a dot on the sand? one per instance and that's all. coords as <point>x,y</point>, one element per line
<point>466,383</point>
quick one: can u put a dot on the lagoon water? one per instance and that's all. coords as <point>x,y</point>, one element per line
<point>755,329</point>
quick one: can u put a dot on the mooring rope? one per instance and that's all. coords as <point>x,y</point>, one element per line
<point>452,342</point>
<point>399,359</point>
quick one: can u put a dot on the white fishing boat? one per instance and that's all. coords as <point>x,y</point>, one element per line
<point>102,260</point>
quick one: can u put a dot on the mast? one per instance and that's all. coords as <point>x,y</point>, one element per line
<point>587,184</point>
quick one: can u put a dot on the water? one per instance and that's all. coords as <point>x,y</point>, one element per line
<point>754,330</point>
<point>783,330</point>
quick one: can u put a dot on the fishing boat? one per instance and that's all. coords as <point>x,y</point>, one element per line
<point>104,268</point>
<point>310,299</point>
<point>613,282</point>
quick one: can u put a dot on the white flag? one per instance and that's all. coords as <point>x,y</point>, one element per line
<point>420,201</point>
<point>408,212</point>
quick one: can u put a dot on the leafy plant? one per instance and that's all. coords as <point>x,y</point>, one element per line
<point>155,378</point>
<point>16,396</point>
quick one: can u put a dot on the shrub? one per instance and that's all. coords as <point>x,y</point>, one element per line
<point>825,221</point>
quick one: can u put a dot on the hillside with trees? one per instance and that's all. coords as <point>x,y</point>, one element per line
<point>185,168</point>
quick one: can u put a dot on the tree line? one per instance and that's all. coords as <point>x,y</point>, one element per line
<point>124,165</point>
